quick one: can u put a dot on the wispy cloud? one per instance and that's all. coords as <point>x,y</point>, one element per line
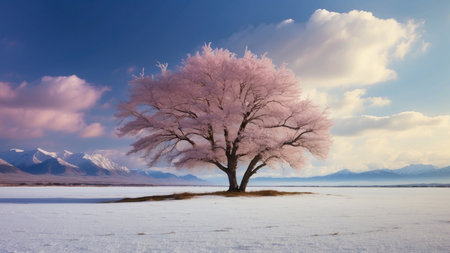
<point>7,43</point>
<point>131,70</point>
<point>92,130</point>
<point>285,22</point>
<point>397,122</point>
<point>352,102</point>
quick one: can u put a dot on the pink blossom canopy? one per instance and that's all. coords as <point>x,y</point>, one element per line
<point>218,108</point>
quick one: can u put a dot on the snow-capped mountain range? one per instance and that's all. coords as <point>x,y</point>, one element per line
<point>67,166</point>
<point>38,166</point>
<point>39,161</point>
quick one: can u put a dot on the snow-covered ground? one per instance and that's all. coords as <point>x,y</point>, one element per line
<point>66,219</point>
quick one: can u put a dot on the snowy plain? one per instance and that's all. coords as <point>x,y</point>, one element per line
<point>69,219</point>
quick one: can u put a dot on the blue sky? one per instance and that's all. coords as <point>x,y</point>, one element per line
<point>385,82</point>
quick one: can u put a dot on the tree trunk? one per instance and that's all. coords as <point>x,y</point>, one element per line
<point>249,172</point>
<point>234,187</point>
<point>246,178</point>
<point>244,181</point>
<point>231,172</point>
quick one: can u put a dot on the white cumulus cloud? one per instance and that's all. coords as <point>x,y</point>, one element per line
<point>335,49</point>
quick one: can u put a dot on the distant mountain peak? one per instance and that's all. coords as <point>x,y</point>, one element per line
<point>16,150</point>
<point>344,172</point>
<point>52,154</point>
<point>102,161</point>
<point>419,166</point>
<point>415,169</point>
<point>3,162</point>
<point>6,167</point>
<point>62,162</point>
<point>67,152</point>
<point>19,157</point>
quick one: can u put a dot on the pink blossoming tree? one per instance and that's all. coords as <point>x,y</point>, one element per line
<point>226,111</point>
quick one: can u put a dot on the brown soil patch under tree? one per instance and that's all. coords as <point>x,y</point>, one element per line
<point>189,195</point>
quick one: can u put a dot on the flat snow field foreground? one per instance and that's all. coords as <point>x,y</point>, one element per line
<point>67,219</point>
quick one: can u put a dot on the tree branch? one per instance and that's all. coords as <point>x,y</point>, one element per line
<point>293,142</point>
<point>219,165</point>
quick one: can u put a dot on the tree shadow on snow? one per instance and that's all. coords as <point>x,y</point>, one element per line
<point>55,200</point>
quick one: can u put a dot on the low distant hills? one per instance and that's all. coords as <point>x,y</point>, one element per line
<point>417,174</point>
<point>39,166</point>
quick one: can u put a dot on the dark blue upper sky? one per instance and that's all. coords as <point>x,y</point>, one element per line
<point>95,38</point>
